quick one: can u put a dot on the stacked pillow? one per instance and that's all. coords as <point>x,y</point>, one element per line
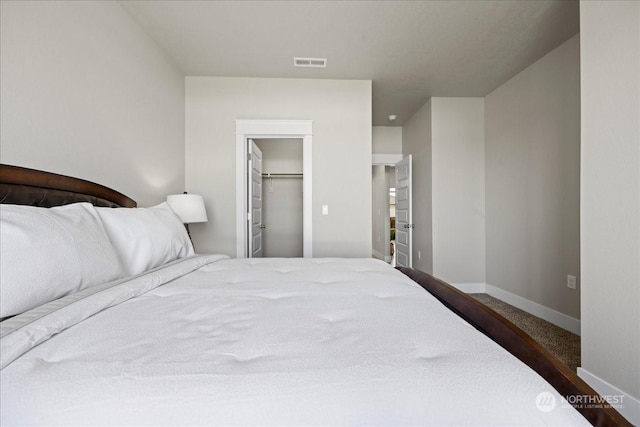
<point>47,253</point>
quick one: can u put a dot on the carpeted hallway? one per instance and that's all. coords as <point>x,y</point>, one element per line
<point>560,342</point>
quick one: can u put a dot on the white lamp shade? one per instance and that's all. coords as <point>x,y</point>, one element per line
<point>189,207</point>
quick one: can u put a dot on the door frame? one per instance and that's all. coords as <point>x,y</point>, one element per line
<point>272,129</point>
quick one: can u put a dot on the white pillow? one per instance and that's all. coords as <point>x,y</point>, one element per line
<point>46,253</point>
<point>146,237</point>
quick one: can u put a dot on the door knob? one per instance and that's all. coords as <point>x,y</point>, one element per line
<point>262,226</point>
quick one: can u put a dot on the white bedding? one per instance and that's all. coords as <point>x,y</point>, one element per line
<point>264,342</point>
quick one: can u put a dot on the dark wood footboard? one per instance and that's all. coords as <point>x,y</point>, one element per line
<point>521,345</point>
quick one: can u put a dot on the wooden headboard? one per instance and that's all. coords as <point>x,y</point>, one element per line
<point>23,186</point>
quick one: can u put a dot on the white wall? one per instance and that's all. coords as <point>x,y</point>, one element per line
<point>610,197</point>
<point>532,181</point>
<point>416,140</point>
<point>387,140</point>
<point>446,139</point>
<point>282,202</point>
<point>281,155</point>
<point>341,114</point>
<point>86,93</point>
<point>457,150</point>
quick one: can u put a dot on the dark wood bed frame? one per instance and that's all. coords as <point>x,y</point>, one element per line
<point>32,187</point>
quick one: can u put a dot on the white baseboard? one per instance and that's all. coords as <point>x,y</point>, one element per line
<point>559,319</point>
<point>569,323</point>
<point>630,406</point>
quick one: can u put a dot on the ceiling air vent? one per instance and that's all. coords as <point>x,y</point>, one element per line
<point>310,62</point>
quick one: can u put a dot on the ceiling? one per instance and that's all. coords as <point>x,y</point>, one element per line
<point>411,50</point>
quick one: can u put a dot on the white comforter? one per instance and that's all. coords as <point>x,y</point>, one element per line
<point>264,342</point>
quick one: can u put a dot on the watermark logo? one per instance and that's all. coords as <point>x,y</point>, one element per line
<point>579,401</point>
<point>545,401</point>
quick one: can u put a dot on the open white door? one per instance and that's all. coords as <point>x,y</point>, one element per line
<point>254,218</point>
<point>404,227</point>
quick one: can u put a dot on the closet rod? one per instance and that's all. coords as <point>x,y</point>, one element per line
<point>282,175</point>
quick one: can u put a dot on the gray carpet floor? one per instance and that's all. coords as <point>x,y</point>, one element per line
<point>560,342</point>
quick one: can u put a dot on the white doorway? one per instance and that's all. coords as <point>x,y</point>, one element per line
<point>392,209</point>
<point>247,130</point>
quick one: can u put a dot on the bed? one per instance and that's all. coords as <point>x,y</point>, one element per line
<point>187,339</point>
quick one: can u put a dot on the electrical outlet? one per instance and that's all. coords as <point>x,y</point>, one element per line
<point>571,281</point>
<point>419,255</point>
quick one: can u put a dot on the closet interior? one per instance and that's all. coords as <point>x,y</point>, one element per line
<point>282,197</point>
